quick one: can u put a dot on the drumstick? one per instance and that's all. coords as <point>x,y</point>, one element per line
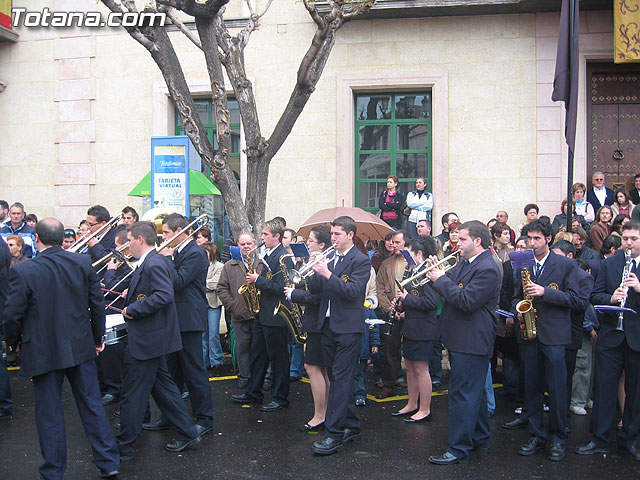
<point>110,291</point>
<point>114,308</point>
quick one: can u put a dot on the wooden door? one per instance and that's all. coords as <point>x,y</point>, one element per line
<point>614,114</point>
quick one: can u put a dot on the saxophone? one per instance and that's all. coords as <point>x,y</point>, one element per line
<point>292,316</point>
<point>525,309</point>
<point>249,292</point>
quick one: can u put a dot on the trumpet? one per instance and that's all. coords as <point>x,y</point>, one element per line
<point>306,270</point>
<point>83,241</point>
<point>447,263</point>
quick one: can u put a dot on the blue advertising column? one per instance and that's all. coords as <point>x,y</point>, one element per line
<point>170,172</point>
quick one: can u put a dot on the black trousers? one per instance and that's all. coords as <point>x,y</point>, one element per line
<point>141,379</point>
<point>111,360</point>
<point>341,351</point>
<point>47,390</point>
<point>545,367</point>
<point>468,412</point>
<point>392,344</point>
<point>188,364</point>
<point>269,344</point>
<point>608,364</point>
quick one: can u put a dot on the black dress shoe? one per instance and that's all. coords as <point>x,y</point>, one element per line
<point>180,445</point>
<point>447,459</point>
<point>590,448</point>
<point>635,453</point>
<point>105,474</point>
<point>185,395</point>
<point>350,435</point>
<point>516,424</point>
<point>202,430</point>
<point>116,426</point>
<point>157,425</point>
<point>125,457</point>
<point>272,406</point>
<point>403,414</point>
<point>306,428</point>
<point>556,452</point>
<point>243,398</point>
<point>108,399</point>
<point>534,445</point>
<point>424,419</point>
<point>117,414</point>
<point>5,416</point>
<point>327,446</point>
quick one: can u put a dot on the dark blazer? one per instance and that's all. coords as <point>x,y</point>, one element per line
<point>633,195</point>
<point>593,200</point>
<point>608,280</point>
<point>346,288</point>
<point>55,307</point>
<point>585,287</point>
<point>106,243</point>
<point>561,295</point>
<point>311,302</point>
<point>153,330</point>
<point>5,264</point>
<point>271,286</point>
<point>420,320</point>
<point>190,283</point>
<point>467,321</point>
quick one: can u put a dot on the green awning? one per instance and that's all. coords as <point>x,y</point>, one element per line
<point>198,185</point>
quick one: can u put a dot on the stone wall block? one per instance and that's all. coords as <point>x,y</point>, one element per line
<point>75,110</point>
<point>74,174</point>
<point>74,47</point>
<point>74,68</point>
<point>74,195</point>
<point>74,152</point>
<point>74,132</point>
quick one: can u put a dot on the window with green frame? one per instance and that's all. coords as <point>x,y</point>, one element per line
<point>205,109</point>
<point>393,137</point>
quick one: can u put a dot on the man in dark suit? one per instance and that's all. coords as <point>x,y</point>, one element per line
<point>153,332</point>
<point>555,291</point>
<point>5,386</point>
<point>49,301</point>
<point>187,365</point>
<point>97,217</point>
<point>634,193</point>
<point>116,278</point>
<point>269,343</point>
<point>617,351</point>
<point>468,327</point>
<point>341,282</point>
<point>599,195</point>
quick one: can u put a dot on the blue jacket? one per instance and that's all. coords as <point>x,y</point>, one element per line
<point>24,231</point>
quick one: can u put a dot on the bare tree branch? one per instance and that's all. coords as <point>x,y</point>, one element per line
<point>208,9</point>
<point>135,32</point>
<point>181,26</point>
<point>313,11</point>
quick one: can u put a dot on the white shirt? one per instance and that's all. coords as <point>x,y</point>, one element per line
<point>601,194</point>
<point>144,255</point>
<point>335,262</point>
<point>181,247</point>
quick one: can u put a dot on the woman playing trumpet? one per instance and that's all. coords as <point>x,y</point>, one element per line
<point>419,332</point>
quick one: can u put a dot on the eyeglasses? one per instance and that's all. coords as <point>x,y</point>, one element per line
<point>91,224</point>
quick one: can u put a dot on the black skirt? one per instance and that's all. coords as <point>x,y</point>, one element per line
<point>417,350</point>
<point>313,354</point>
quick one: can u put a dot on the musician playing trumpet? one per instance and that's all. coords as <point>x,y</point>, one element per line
<point>617,350</point>
<point>419,331</point>
<point>468,328</point>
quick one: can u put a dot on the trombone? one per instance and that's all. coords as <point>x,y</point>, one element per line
<point>82,242</point>
<point>201,221</point>
<point>108,256</point>
<point>447,262</point>
<point>306,270</point>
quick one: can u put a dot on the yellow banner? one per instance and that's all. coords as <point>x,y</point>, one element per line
<point>626,31</point>
<point>5,13</point>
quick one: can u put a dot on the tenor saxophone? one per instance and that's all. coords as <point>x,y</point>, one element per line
<point>292,316</point>
<point>250,294</point>
<point>525,308</point>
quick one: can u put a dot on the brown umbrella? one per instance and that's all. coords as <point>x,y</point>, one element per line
<point>369,226</point>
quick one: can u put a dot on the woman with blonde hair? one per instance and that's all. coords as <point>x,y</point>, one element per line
<point>583,207</point>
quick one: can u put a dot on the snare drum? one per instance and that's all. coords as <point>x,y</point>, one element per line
<point>115,329</point>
